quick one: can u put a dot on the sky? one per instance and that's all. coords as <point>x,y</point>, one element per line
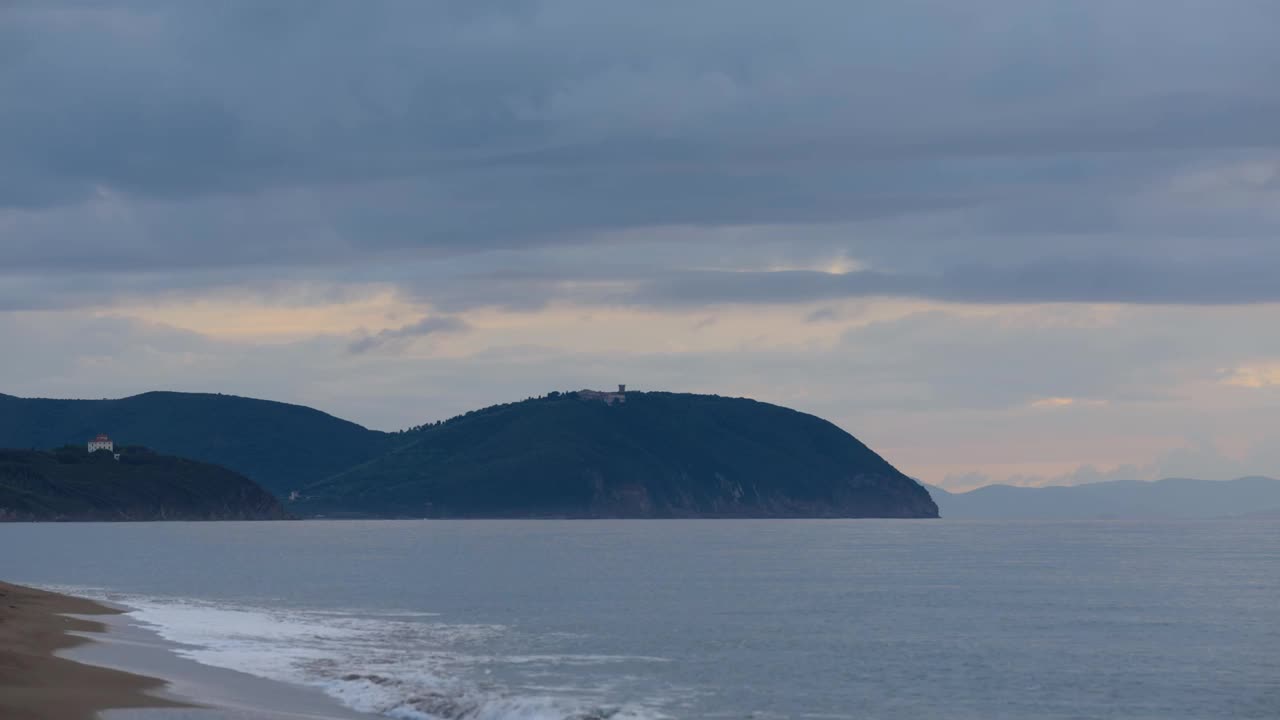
<point>998,241</point>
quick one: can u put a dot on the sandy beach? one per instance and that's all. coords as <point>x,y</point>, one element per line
<point>37,685</point>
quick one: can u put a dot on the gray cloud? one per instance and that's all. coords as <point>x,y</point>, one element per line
<point>188,137</point>
<point>429,325</point>
<point>1070,281</point>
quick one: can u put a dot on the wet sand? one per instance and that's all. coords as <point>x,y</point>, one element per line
<point>35,684</point>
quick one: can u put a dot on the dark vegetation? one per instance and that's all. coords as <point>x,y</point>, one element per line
<point>278,445</point>
<point>657,455</point>
<point>71,484</point>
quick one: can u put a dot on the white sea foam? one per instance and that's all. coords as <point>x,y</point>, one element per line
<point>404,665</point>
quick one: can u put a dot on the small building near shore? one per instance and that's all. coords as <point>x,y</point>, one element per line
<point>102,442</point>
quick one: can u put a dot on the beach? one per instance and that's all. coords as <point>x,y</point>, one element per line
<point>36,684</point>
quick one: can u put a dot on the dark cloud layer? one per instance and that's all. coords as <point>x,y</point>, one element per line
<point>1103,281</point>
<point>1087,151</point>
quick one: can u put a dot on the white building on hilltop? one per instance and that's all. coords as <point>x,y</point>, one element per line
<point>102,442</point>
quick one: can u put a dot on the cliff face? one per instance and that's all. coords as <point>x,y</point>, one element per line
<point>863,496</point>
<point>71,484</point>
<point>654,455</point>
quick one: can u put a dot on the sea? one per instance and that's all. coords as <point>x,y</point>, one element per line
<point>638,620</point>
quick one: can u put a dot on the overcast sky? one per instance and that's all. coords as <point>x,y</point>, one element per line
<point>1005,240</point>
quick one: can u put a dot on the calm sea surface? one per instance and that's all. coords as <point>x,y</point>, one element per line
<point>706,619</point>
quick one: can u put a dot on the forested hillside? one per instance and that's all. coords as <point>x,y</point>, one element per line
<point>655,455</point>
<point>278,445</point>
<point>72,484</point>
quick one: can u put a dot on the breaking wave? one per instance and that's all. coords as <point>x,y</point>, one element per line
<point>403,665</point>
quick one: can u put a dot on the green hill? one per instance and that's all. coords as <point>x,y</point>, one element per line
<point>281,446</point>
<point>72,484</point>
<point>656,455</point>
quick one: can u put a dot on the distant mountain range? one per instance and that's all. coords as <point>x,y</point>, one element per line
<point>1125,499</point>
<point>588,454</point>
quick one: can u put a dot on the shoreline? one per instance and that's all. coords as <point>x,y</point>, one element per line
<point>57,664</point>
<point>37,683</point>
